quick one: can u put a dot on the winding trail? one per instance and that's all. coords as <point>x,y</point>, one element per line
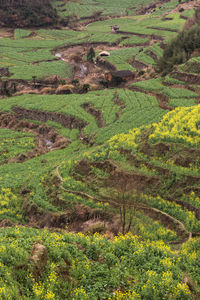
<point>165,218</point>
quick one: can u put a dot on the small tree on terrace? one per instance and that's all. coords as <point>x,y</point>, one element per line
<point>126,200</point>
<point>91,55</point>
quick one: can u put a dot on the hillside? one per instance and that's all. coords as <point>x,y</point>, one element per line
<point>183,47</point>
<point>27,13</point>
<point>99,150</point>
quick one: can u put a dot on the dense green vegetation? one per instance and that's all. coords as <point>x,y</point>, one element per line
<point>93,267</point>
<point>182,47</point>
<point>26,13</point>
<point>99,184</point>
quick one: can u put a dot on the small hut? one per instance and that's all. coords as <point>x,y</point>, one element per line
<point>114,28</point>
<point>104,53</point>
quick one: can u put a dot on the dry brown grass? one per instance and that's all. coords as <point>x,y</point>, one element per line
<point>6,33</point>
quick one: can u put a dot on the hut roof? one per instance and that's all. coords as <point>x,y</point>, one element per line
<point>104,53</point>
<point>115,26</point>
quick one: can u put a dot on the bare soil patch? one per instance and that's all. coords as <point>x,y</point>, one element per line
<point>6,33</point>
<point>139,65</point>
<point>85,71</point>
<point>46,138</point>
<point>152,54</point>
<point>187,77</point>
<point>65,120</point>
<point>186,6</point>
<point>89,108</point>
<point>133,180</point>
<point>122,106</point>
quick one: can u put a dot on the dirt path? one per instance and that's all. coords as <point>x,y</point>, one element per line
<point>188,206</point>
<point>142,35</point>
<point>168,221</point>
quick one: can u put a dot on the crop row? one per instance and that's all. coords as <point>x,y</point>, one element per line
<point>137,105</point>
<point>120,57</point>
<point>155,85</point>
<point>139,25</point>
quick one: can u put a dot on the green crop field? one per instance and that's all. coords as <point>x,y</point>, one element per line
<point>134,104</point>
<point>121,58</point>
<point>176,102</point>
<point>156,85</point>
<point>139,25</point>
<point>31,58</point>
<point>41,70</point>
<point>134,40</point>
<point>86,8</point>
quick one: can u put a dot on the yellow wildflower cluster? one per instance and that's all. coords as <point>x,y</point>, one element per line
<point>5,293</point>
<point>119,295</point>
<point>167,277</point>
<point>181,291</point>
<point>44,290</point>
<point>167,262</point>
<point>6,196</point>
<point>38,289</point>
<point>127,140</point>
<point>9,203</point>
<point>191,250</point>
<point>79,294</point>
<point>152,269</point>
<point>179,125</point>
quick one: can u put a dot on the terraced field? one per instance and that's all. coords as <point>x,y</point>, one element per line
<point>155,167</point>
<point>99,184</point>
<point>85,9</point>
<point>33,49</point>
